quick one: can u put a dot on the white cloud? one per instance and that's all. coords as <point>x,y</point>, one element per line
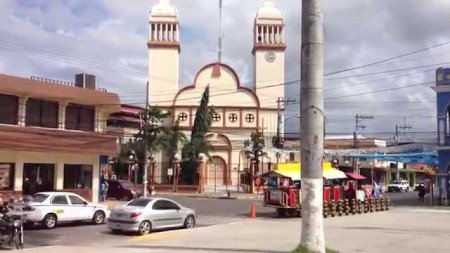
<point>108,38</point>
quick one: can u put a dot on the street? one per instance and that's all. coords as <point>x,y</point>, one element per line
<point>211,212</point>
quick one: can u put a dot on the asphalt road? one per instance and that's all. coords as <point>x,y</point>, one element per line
<point>211,212</point>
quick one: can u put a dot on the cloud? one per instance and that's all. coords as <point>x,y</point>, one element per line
<point>108,38</point>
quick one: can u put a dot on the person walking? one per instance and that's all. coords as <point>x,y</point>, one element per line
<point>422,192</point>
<point>103,189</point>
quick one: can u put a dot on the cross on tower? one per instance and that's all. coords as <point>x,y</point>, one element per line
<point>250,118</point>
<point>233,117</point>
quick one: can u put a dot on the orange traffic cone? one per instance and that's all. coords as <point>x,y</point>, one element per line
<point>253,210</point>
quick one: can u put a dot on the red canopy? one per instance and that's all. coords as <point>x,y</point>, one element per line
<point>355,176</point>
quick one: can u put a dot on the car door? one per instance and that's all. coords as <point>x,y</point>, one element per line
<point>166,214</point>
<point>80,209</point>
<point>60,206</point>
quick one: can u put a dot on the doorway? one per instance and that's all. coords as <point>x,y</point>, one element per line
<point>217,169</point>
<point>38,177</point>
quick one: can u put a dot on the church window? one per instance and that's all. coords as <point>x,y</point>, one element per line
<point>216,117</point>
<point>250,118</point>
<point>182,116</point>
<point>233,117</point>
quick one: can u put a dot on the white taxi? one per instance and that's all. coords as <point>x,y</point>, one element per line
<point>50,208</point>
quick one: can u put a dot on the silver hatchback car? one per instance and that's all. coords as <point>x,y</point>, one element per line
<point>143,215</point>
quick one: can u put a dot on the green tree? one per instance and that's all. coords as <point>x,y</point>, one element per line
<point>151,139</point>
<point>197,144</point>
<point>175,138</point>
<point>258,144</point>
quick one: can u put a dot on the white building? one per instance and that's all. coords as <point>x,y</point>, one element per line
<point>239,110</point>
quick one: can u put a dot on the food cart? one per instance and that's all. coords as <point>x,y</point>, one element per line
<point>282,188</point>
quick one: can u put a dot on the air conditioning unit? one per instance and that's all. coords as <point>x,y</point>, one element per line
<point>86,81</point>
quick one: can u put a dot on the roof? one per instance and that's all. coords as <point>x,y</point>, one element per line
<point>355,176</point>
<point>54,140</point>
<point>269,11</point>
<point>164,8</point>
<point>293,170</point>
<point>25,87</point>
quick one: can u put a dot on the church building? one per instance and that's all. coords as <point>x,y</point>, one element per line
<point>239,110</point>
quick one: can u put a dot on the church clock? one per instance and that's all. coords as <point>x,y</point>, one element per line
<point>270,56</point>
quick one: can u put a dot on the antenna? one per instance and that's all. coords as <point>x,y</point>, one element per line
<point>219,52</point>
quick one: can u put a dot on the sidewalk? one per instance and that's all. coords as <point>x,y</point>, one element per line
<point>399,230</point>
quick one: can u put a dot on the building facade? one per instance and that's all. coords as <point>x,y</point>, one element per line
<point>52,135</point>
<point>239,110</point>
<point>442,90</point>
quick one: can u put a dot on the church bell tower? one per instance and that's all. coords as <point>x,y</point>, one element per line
<point>164,51</point>
<point>268,51</point>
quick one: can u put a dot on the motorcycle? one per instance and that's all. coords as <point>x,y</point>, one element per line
<point>11,229</point>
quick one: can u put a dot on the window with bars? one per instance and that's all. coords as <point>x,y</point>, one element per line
<point>80,117</point>
<point>8,109</point>
<point>41,113</point>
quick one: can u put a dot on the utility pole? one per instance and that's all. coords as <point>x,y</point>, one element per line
<point>281,102</point>
<point>147,155</point>
<point>398,128</point>
<point>358,121</point>
<point>312,114</point>
<point>219,52</point>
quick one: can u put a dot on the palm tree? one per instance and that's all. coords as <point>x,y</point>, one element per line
<point>174,139</point>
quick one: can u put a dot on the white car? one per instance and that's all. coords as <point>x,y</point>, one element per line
<point>399,186</point>
<point>50,208</point>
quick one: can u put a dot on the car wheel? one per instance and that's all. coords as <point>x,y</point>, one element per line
<point>99,218</point>
<point>145,227</point>
<point>49,221</point>
<point>189,222</point>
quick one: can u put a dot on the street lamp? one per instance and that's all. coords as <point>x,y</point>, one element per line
<point>371,172</point>
<point>278,141</point>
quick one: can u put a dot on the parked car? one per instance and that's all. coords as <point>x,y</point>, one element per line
<point>122,190</point>
<point>399,186</point>
<point>143,215</point>
<point>51,208</point>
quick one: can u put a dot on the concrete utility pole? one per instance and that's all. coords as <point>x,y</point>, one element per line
<point>399,127</point>
<point>281,102</point>
<point>147,155</point>
<point>312,114</point>
<point>358,120</point>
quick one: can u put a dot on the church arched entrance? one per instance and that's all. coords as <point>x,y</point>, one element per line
<point>217,169</point>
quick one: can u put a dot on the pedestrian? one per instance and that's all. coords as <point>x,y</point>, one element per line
<point>103,189</point>
<point>422,192</point>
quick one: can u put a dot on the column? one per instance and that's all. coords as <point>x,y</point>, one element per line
<point>22,111</point>
<point>18,176</point>
<point>95,182</point>
<point>170,32</point>
<point>62,115</point>
<point>59,176</point>
<point>99,121</point>
<point>177,32</point>
<point>278,35</point>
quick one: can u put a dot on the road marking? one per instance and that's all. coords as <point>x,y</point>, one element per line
<point>156,236</point>
<point>429,211</point>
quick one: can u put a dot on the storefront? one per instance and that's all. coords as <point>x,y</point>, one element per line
<point>54,161</point>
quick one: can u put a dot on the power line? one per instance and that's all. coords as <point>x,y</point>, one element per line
<point>386,60</point>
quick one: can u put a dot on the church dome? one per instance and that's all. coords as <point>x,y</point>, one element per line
<point>269,11</point>
<point>164,8</point>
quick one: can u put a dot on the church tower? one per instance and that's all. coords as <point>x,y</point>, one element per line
<point>268,50</point>
<point>164,51</point>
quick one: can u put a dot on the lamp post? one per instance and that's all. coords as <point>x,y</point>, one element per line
<point>371,172</point>
<point>176,171</point>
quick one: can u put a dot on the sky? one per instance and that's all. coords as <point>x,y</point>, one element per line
<point>107,38</point>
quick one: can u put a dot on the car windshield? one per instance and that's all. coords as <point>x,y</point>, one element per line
<point>39,198</point>
<point>127,184</point>
<point>139,202</point>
